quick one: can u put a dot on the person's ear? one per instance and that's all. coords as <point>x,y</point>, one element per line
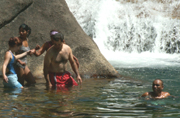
<point>162,86</point>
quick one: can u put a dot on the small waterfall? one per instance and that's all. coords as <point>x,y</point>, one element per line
<point>131,26</point>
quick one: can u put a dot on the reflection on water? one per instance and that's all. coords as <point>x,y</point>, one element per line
<point>96,97</point>
<point>12,92</point>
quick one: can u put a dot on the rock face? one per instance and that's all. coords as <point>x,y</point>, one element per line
<point>43,16</point>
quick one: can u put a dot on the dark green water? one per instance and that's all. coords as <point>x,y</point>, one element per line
<point>97,97</point>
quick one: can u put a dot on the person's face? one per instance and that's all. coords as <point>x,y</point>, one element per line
<point>157,86</point>
<point>57,44</point>
<point>23,33</point>
<point>52,40</point>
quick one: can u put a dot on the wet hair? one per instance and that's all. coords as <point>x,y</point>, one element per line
<point>14,41</point>
<point>25,27</point>
<point>58,36</point>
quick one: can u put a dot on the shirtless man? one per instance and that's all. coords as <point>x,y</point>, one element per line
<point>48,44</point>
<point>55,64</point>
<point>157,93</point>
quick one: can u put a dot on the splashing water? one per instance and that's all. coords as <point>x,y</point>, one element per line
<point>132,33</point>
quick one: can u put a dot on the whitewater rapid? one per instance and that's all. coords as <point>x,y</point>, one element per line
<point>132,34</point>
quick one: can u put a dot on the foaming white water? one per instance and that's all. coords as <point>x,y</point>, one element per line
<point>144,59</point>
<point>132,34</point>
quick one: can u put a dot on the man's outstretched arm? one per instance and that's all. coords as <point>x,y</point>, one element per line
<point>41,50</point>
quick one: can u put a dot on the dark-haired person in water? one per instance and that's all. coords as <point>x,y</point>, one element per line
<point>55,64</point>
<point>157,93</point>
<point>23,71</point>
<point>48,44</point>
<point>9,75</point>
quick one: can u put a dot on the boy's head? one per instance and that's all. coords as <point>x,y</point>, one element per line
<point>58,36</point>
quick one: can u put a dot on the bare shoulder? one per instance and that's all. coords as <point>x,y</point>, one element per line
<point>67,47</point>
<point>145,94</point>
<point>7,54</point>
<point>166,94</point>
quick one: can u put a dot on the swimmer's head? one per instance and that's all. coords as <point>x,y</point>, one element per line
<point>157,85</point>
<point>14,41</point>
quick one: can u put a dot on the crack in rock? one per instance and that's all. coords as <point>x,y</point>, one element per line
<point>12,18</point>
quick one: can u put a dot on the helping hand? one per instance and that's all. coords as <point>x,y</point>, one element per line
<point>37,47</point>
<point>30,52</point>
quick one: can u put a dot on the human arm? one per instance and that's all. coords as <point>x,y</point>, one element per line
<point>7,58</point>
<point>145,94</point>
<point>41,50</point>
<point>76,60</point>
<point>22,54</point>
<point>74,66</point>
<point>37,47</point>
<point>34,50</point>
<point>166,94</point>
<point>21,62</point>
<point>47,61</point>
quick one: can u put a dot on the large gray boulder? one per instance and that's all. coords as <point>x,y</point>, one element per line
<point>43,16</point>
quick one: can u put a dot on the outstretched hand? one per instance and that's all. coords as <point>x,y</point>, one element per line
<point>37,47</point>
<point>30,52</point>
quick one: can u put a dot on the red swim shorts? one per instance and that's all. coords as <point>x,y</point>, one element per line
<point>59,79</point>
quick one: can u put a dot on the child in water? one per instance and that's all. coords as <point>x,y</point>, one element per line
<point>10,78</point>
